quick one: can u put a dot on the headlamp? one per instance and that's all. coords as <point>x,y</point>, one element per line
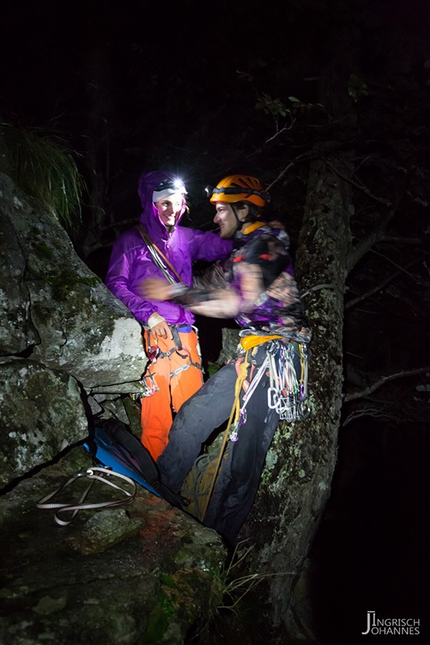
<point>177,185</point>
<point>236,190</point>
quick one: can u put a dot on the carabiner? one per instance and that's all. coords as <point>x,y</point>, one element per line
<point>273,398</point>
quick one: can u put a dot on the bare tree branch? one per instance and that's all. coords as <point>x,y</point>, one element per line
<point>394,263</point>
<point>281,174</point>
<point>376,413</point>
<point>377,236</point>
<point>360,187</point>
<point>402,240</point>
<point>278,132</point>
<point>320,286</point>
<point>306,156</point>
<point>381,285</point>
<point>384,379</point>
<point>365,245</point>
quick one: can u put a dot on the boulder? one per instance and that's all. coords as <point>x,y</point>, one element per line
<point>142,573</point>
<point>17,331</point>
<point>59,307</point>
<point>41,412</point>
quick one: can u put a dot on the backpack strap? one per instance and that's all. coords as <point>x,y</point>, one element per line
<point>125,450</point>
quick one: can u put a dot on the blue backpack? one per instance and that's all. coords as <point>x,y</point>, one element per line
<point>114,446</point>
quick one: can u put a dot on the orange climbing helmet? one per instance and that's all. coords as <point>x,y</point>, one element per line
<point>238,188</point>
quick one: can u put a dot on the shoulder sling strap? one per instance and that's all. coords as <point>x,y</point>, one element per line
<point>159,258</point>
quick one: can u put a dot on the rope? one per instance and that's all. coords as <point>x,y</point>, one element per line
<point>235,411</point>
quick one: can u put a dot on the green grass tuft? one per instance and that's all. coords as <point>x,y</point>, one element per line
<point>43,167</point>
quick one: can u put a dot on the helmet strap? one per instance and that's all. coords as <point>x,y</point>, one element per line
<point>249,219</point>
<point>239,222</point>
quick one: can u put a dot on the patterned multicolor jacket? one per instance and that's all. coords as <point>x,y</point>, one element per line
<point>276,307</point>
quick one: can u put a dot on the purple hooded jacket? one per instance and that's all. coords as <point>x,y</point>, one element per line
<point>131,262</point>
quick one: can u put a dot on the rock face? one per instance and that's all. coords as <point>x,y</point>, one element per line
<point>141,573</point>
<point>63,338</point>
<point>16,328</point>
<point>55,306</point>
<point>42,414</point>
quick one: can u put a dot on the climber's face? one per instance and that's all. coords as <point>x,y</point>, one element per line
<point>169,208</point>
<point>227,221</point>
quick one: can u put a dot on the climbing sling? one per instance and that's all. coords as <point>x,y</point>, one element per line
<point>121,459</point>
<point>159,258</point>
<point>93,474</point>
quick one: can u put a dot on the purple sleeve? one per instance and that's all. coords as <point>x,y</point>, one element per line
<point>207,246</point>
<point>130,263</point>
<point>121,274</point>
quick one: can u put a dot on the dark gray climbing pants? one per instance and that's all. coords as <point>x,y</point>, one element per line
<point>239,476</point>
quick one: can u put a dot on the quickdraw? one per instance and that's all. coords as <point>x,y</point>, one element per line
<point>149,386</point>
<point>283,384</point>
<point>287,394</point>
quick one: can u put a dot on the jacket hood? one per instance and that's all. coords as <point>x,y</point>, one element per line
<point>149,217</point>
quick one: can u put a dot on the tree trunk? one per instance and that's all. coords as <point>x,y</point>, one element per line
<point>296,481</point>
<point>300,463</point>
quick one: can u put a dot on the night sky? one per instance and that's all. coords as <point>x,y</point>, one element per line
<point>175,84</point>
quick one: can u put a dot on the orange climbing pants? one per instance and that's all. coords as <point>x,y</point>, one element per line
<point>176,374</point>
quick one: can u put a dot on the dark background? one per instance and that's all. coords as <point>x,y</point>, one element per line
<point>134,86</point>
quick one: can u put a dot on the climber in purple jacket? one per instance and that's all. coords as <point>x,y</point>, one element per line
<point>160,247</point>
